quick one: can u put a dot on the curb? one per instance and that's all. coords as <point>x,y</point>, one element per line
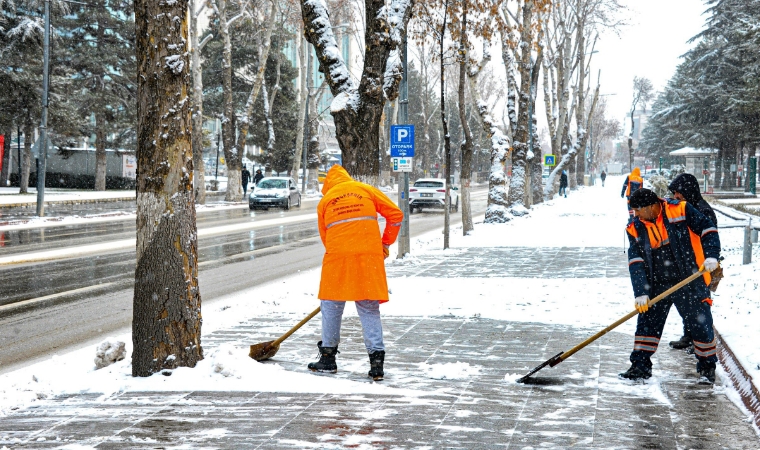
<point>68,202</point>
<point>740,379</point>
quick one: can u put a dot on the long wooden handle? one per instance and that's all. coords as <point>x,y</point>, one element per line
<point>295,328</point>
<point>678,286</point>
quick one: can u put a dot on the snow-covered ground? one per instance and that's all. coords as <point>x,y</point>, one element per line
<point>590,217</point>
<point>10,195</point>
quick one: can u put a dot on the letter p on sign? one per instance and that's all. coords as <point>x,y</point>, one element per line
<point>403,134</point>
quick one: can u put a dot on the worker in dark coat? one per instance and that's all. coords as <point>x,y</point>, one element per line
<point>257,177</point>
<point>563,184</point>
<point>669,241</point>
<point>603,176</point>
<point>245,176</point>
<point>685,187</point>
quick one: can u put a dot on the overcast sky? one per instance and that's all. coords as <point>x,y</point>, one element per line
<point>650,46</point>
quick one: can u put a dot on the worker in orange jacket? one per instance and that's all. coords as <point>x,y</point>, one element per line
<point>632,183</point>
<point>353,268</point>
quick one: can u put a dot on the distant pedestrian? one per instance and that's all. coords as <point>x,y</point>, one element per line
<point>245,177</point>
<point>563,184</point>
<point>669,241</point>
<point>603,176</point>
<point>353,267</point>
<point>257,177</point>
<point>685,187</point>
<point>633,182</point>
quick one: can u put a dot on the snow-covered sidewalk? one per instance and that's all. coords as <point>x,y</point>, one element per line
<point>9,196</point>
<point>494,305</point>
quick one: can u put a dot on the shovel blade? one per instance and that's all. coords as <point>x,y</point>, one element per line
<point>554,360</point>
<point>263,351</point>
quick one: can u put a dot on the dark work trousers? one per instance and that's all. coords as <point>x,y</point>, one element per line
<point>696,315</point>
<point>245,188</point>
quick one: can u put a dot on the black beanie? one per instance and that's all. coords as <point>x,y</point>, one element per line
<point>643,197</point>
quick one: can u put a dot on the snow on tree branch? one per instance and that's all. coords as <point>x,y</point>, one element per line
<point>28,28</point>
<point>394,72</point>
<point>319,33</point>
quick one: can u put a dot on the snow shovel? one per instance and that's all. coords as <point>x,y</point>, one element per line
<point>561,356</point>
<point>266,350</point>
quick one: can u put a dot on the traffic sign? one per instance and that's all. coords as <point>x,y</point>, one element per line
<point>402,164</point>
<point>550,160</point>
<point>402,141</point>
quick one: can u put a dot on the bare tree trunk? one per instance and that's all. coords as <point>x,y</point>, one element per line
<point>268,118</point>
<point>245,119</point>
<point>26,158</point>
<point>446,137</point>
<point>7,156</point>
<point>100,153</point>
<point>356,110</point>
<point>312,160</point>
<point>232,157</point>
<point>572,170</point>
<point>517,185</point>
<point>537,168</point>
<point>303,95</point>
<point>717,181</point>
<point>389,118</point>
<point>465,176</point>
<point>166,325</point>
<point>199,166</point>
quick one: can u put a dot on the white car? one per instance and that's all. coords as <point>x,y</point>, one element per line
<point>275,191</point>
<point>430,193</point>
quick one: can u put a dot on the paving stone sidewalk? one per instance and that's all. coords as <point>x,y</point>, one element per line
<point>578,404</point>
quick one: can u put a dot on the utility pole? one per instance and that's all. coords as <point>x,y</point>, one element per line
<point>306,124</point>
<point>43,125</point>
<point>404,245</point>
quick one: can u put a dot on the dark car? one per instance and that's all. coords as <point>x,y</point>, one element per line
<point>275,191</point>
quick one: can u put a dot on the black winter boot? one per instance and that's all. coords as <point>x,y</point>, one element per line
<point>326,361</point>
<point>682,343</point>
<point>376,365</point>
<point>636,373</point>
<point>707,373</point>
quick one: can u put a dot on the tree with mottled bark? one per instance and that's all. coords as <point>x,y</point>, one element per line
<point>357,109</point>
<point>166,324</point>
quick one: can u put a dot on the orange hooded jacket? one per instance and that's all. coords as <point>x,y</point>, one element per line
<point>353,267</point>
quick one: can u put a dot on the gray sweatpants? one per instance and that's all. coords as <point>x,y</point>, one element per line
<point>369,314</point>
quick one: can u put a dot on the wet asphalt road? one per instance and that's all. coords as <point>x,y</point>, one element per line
<point>50,307</point>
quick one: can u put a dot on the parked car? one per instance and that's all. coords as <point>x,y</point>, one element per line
<point>430,193</point>
<point>275,191</point>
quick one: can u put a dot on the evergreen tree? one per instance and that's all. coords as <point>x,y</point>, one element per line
<point>101,54</point>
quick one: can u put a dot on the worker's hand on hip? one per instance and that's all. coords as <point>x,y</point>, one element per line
<point>642,303</point>
<point>386,251</point>
<point>711,264</point>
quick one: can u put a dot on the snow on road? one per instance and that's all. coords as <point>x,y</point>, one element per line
<point>589,217</point>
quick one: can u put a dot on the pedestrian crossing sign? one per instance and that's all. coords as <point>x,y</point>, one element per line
<point>549,160</point>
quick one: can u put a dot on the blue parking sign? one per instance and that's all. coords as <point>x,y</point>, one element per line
<point>402,141</point>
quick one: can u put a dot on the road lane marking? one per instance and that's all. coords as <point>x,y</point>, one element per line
<point>124,244</point>
<point>5,309</point>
